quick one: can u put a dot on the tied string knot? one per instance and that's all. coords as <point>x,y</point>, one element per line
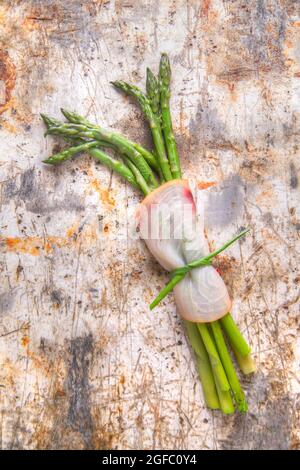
<point>183,270</point>
<point>178,274</point>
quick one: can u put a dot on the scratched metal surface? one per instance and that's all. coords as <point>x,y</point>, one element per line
<point>84,363</point>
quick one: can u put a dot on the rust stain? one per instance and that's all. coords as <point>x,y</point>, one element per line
<point>25,341</point>
<point>230,79</point>
<point>182,128</point>
<point>205,8</point>
<point>289,44</point>
<point>291,48</point>
<point>148,294</point>
<point>106,228</point>
<point>8,77</point>
<point>229,59</point>
<point>44,364</point>
<point>42,17</point>
<point>223,264</point>
<point>104,194</point>
<point>30,245</point>
<point>72,231</point>
<point>19,270</point>
<point>9,127</point>
<point>266,194</point>
<point>205,184</point>
<point>89,236</point>
<point>59,393</point>
<point>23,245</point>
<point>39,361</point>
<point>35,246</point>
<point>3,11</point>
<point>141,43</point>
<point>30,24</point>
<point>122,379</point>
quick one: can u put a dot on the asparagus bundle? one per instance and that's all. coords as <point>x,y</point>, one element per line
<point>200,293</point>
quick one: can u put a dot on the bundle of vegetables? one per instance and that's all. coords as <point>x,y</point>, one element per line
<point>200,293</point>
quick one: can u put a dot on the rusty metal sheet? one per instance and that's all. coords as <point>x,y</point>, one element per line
<point>84,363</point>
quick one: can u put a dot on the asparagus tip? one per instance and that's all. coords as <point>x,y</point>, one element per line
<point>164,68</point>
<point>118,84</point>
<point>65,113</point>
<point>48,161</point>
<point>121,85</point>
<point>46,119</point>
<point>165,58</point>
<point>243,407</point>
<point>150,73</point>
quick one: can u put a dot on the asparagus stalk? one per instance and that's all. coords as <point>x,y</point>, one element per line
<point>225,399</point>
<point>50,121</point>
<point>70,152</point>
<point>77,119</point>
<point>153,122</point>
<point>122,145</point>
<point>138,176</point>
<point>228,367</point>
<point>204,366</point>
<point>234,335</point>
<point>148,156</point>
<point>153,92</point>
<point>165,77</point>
<point>103,158</point>
<point>129,172</point>
<point>214,358</point>
<point>246,363</point>
<point>153,95</point>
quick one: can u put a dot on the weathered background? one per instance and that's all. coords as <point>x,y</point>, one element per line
<point>84,363</point>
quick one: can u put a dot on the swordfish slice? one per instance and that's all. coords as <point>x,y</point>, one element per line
<point>168,224</point>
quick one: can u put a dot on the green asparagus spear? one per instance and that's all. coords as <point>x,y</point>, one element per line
<point>166,121</point>
<point>77,119</point>
<point>153,92</point>
<point>246,363</point>
<point>234,335</point>
<point>226,403</point>
<point>138,176</point>
<point>228,367</point>
<point>225,398</point>
<point>204,366</point>
<point>50,121</point>
<point>122,145</point>
<point>214,358</point>
<point>69,152</point>
<point>119,168</point>
<point>154,125</point>
<point>99,155</point>
<point>129,172</point>
<point>148,156</point>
